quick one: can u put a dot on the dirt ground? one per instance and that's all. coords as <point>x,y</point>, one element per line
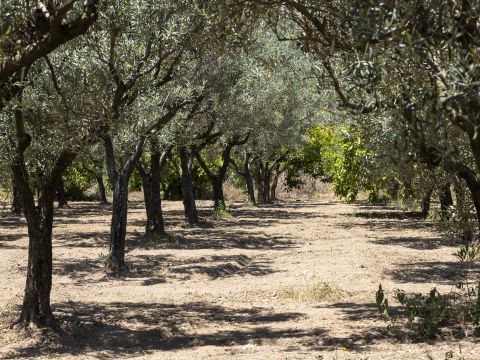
<point>218,291</point>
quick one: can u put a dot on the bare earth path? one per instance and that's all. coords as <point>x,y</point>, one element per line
<point>215,292</point>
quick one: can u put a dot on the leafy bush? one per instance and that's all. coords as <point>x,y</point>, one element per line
<point>426,315</point>
<point>76,181</point>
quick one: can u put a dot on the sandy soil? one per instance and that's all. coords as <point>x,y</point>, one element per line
<point>215,291</point>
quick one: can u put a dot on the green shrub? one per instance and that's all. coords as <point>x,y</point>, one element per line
<point>426,315</point>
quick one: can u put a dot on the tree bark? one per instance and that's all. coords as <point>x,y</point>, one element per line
<point>119,181</point>
<point>267,174</point>
<point>61,196</point>
<point>190,207</point>
<point>249,180</point>
<point>259,181</point>
<point>36,302</point>
<point>102,194</point>
<point>473,185</point>
<point>118,227</point>
<point>446,200</point>
<point>16,201</point>
<point>218,196</point>
<point>151,191</point>
<point>273,187</point>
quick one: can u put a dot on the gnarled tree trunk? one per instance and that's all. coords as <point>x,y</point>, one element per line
<point>151,191</point>
<point>119,181</point>
<point>36,302</point>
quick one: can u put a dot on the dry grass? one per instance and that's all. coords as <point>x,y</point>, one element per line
<point>233,193</point>
<point>316,292</point>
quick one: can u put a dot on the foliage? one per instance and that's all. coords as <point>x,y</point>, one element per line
<point>338,155</point>
<point>427,315</point>
<point>76,181</point>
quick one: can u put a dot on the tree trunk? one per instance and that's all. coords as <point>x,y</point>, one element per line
<point>190,207</point>
<point>118,229</point>
<point>446,200</point>
<point>259,181</point>
<point>151,192</point>
<point>102,194</point>
<point>119,181</point>
<point>36,302</point>
<point>463,213</point>
<point>273,187</point>
<point>155,226</point>
<point>61,196</point>
<point>218,197</point>
<point>16,202</point>
<point>426,204</point>
<point>250,187</point>
<point>267,174</point>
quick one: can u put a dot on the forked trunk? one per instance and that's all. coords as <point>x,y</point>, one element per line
<point>36,302</point>
<point>151,192</point>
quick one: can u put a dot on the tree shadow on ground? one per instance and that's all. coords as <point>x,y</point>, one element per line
<point>12,221</point>
<point>389,220</point>
<point>418,243</point>
<point>225,266</point>
<point>389,214</point>
<point>82,209</point>
<point>437,272</point>
<point>4,238</point>
<point>198,238</point>
<point>156,269</point>
<point>82,239</point>
<point>113,330</point>
<point>363,336</point>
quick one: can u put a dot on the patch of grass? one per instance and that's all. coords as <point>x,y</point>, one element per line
<point>221,214</point>
<point>103,258</point>
<point>315,292</point>
<point>9,313</point>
